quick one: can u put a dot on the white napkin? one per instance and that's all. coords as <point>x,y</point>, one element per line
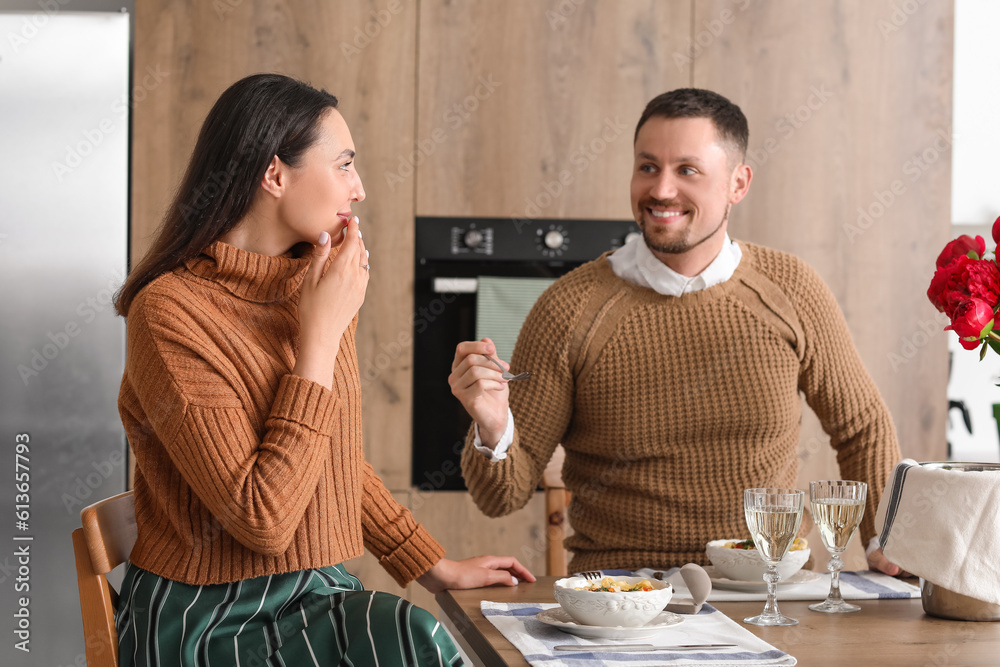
<point>860,585</point>
<point>944,526</point>
<point>536,641</point>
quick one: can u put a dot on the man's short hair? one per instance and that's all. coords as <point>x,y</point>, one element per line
<point>729,121</point>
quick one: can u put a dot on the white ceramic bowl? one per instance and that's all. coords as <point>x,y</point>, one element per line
<point>603,608</point>
<point>747,565</point>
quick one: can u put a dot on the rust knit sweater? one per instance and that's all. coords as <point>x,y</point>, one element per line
<point>669,407</point>
<point>243,469</point>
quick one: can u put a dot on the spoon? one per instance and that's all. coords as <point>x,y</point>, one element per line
<point>698,583</point>
<point>507,375</point>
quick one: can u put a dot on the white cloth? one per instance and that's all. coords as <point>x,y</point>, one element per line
<point>860,585</point>
<point>637,264</point>
<point>536,641</point>
<point>944,526</point>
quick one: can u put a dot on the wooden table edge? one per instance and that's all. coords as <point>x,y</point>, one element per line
<point>477,641</point>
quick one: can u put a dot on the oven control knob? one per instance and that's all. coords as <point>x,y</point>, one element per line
<point>554,239</point>
<point>473,238</point>
<point>631,235</point>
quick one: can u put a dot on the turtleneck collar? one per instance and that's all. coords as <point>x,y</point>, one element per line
<point>248,275</point>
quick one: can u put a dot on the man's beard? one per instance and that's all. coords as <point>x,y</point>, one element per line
<point>681,245</point>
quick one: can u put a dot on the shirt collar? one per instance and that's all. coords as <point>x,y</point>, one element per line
<point>636,263</point>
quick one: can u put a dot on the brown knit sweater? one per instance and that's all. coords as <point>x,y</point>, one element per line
<point>669,407</point>
<point>243,469</point>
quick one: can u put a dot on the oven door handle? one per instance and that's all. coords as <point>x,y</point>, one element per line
<point>456,285</point>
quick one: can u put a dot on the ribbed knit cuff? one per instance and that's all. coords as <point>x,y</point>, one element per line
<point>305,402</point>
<point>417,554</point>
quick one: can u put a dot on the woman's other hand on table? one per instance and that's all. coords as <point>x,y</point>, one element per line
<point>474,573</point>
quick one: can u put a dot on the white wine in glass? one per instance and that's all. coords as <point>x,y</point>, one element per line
<point>773,517</point>
<point>837,508</point>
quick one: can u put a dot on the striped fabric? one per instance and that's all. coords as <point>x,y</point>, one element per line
<point>310,617</point>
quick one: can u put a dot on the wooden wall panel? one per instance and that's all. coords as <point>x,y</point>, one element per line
<point>568,81</point>
<point>844,99</point>
<point>207,46</point>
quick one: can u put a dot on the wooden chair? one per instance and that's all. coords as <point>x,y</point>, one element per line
<point>104,542</point>
<point>556,501</point>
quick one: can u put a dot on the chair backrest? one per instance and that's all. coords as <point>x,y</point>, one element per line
<point>104,542</point>
<point>556,500</point>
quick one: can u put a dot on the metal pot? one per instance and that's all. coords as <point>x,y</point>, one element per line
<point>944,603</point>
<point>941,602</point>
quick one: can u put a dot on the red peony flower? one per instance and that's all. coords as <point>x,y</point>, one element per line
<point>983,280</point>
<point>973,321</point>
<point>996,232</point>
<point>962,279</point>
<point>961,247</point>
<point>947,289</point>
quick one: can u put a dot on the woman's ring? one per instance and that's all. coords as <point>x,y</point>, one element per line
<point>366,266</point>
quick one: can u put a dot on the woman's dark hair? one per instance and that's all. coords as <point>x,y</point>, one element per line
<point>729,121</point>
<point>255,119</point>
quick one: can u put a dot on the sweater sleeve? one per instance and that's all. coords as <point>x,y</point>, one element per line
<point>256,484</point>
<point>403,547</point>
<point>542,409</point>
<point>842,393</point>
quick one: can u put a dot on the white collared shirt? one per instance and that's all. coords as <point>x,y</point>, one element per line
<point>635,263</point>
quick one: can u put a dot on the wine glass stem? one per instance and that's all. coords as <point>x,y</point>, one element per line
<point>771,577</point>
<point>835,566</point>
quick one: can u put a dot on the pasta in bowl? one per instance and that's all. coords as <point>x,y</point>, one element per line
<point>613,601</point>
<point>736,560</point>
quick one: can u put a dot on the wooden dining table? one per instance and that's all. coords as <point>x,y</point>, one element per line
<point>884,632</point>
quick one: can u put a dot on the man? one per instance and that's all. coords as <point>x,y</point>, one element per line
<point>671,369</point>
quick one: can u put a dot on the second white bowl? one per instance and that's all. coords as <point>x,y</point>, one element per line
<point>747,565</point>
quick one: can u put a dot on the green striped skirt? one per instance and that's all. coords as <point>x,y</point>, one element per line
<point>310,617</point>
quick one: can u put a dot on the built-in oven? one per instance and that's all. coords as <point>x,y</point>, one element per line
<point>476,278</point>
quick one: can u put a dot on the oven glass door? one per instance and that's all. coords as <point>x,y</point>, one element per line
<point>445,315</point>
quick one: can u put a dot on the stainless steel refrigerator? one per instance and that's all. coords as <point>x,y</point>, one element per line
<point>64,122</point>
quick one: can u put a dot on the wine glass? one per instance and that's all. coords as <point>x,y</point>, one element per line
<point>773,517</point>
<point>837,507</point>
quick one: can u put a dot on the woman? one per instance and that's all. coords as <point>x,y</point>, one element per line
<point>242,403</point>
